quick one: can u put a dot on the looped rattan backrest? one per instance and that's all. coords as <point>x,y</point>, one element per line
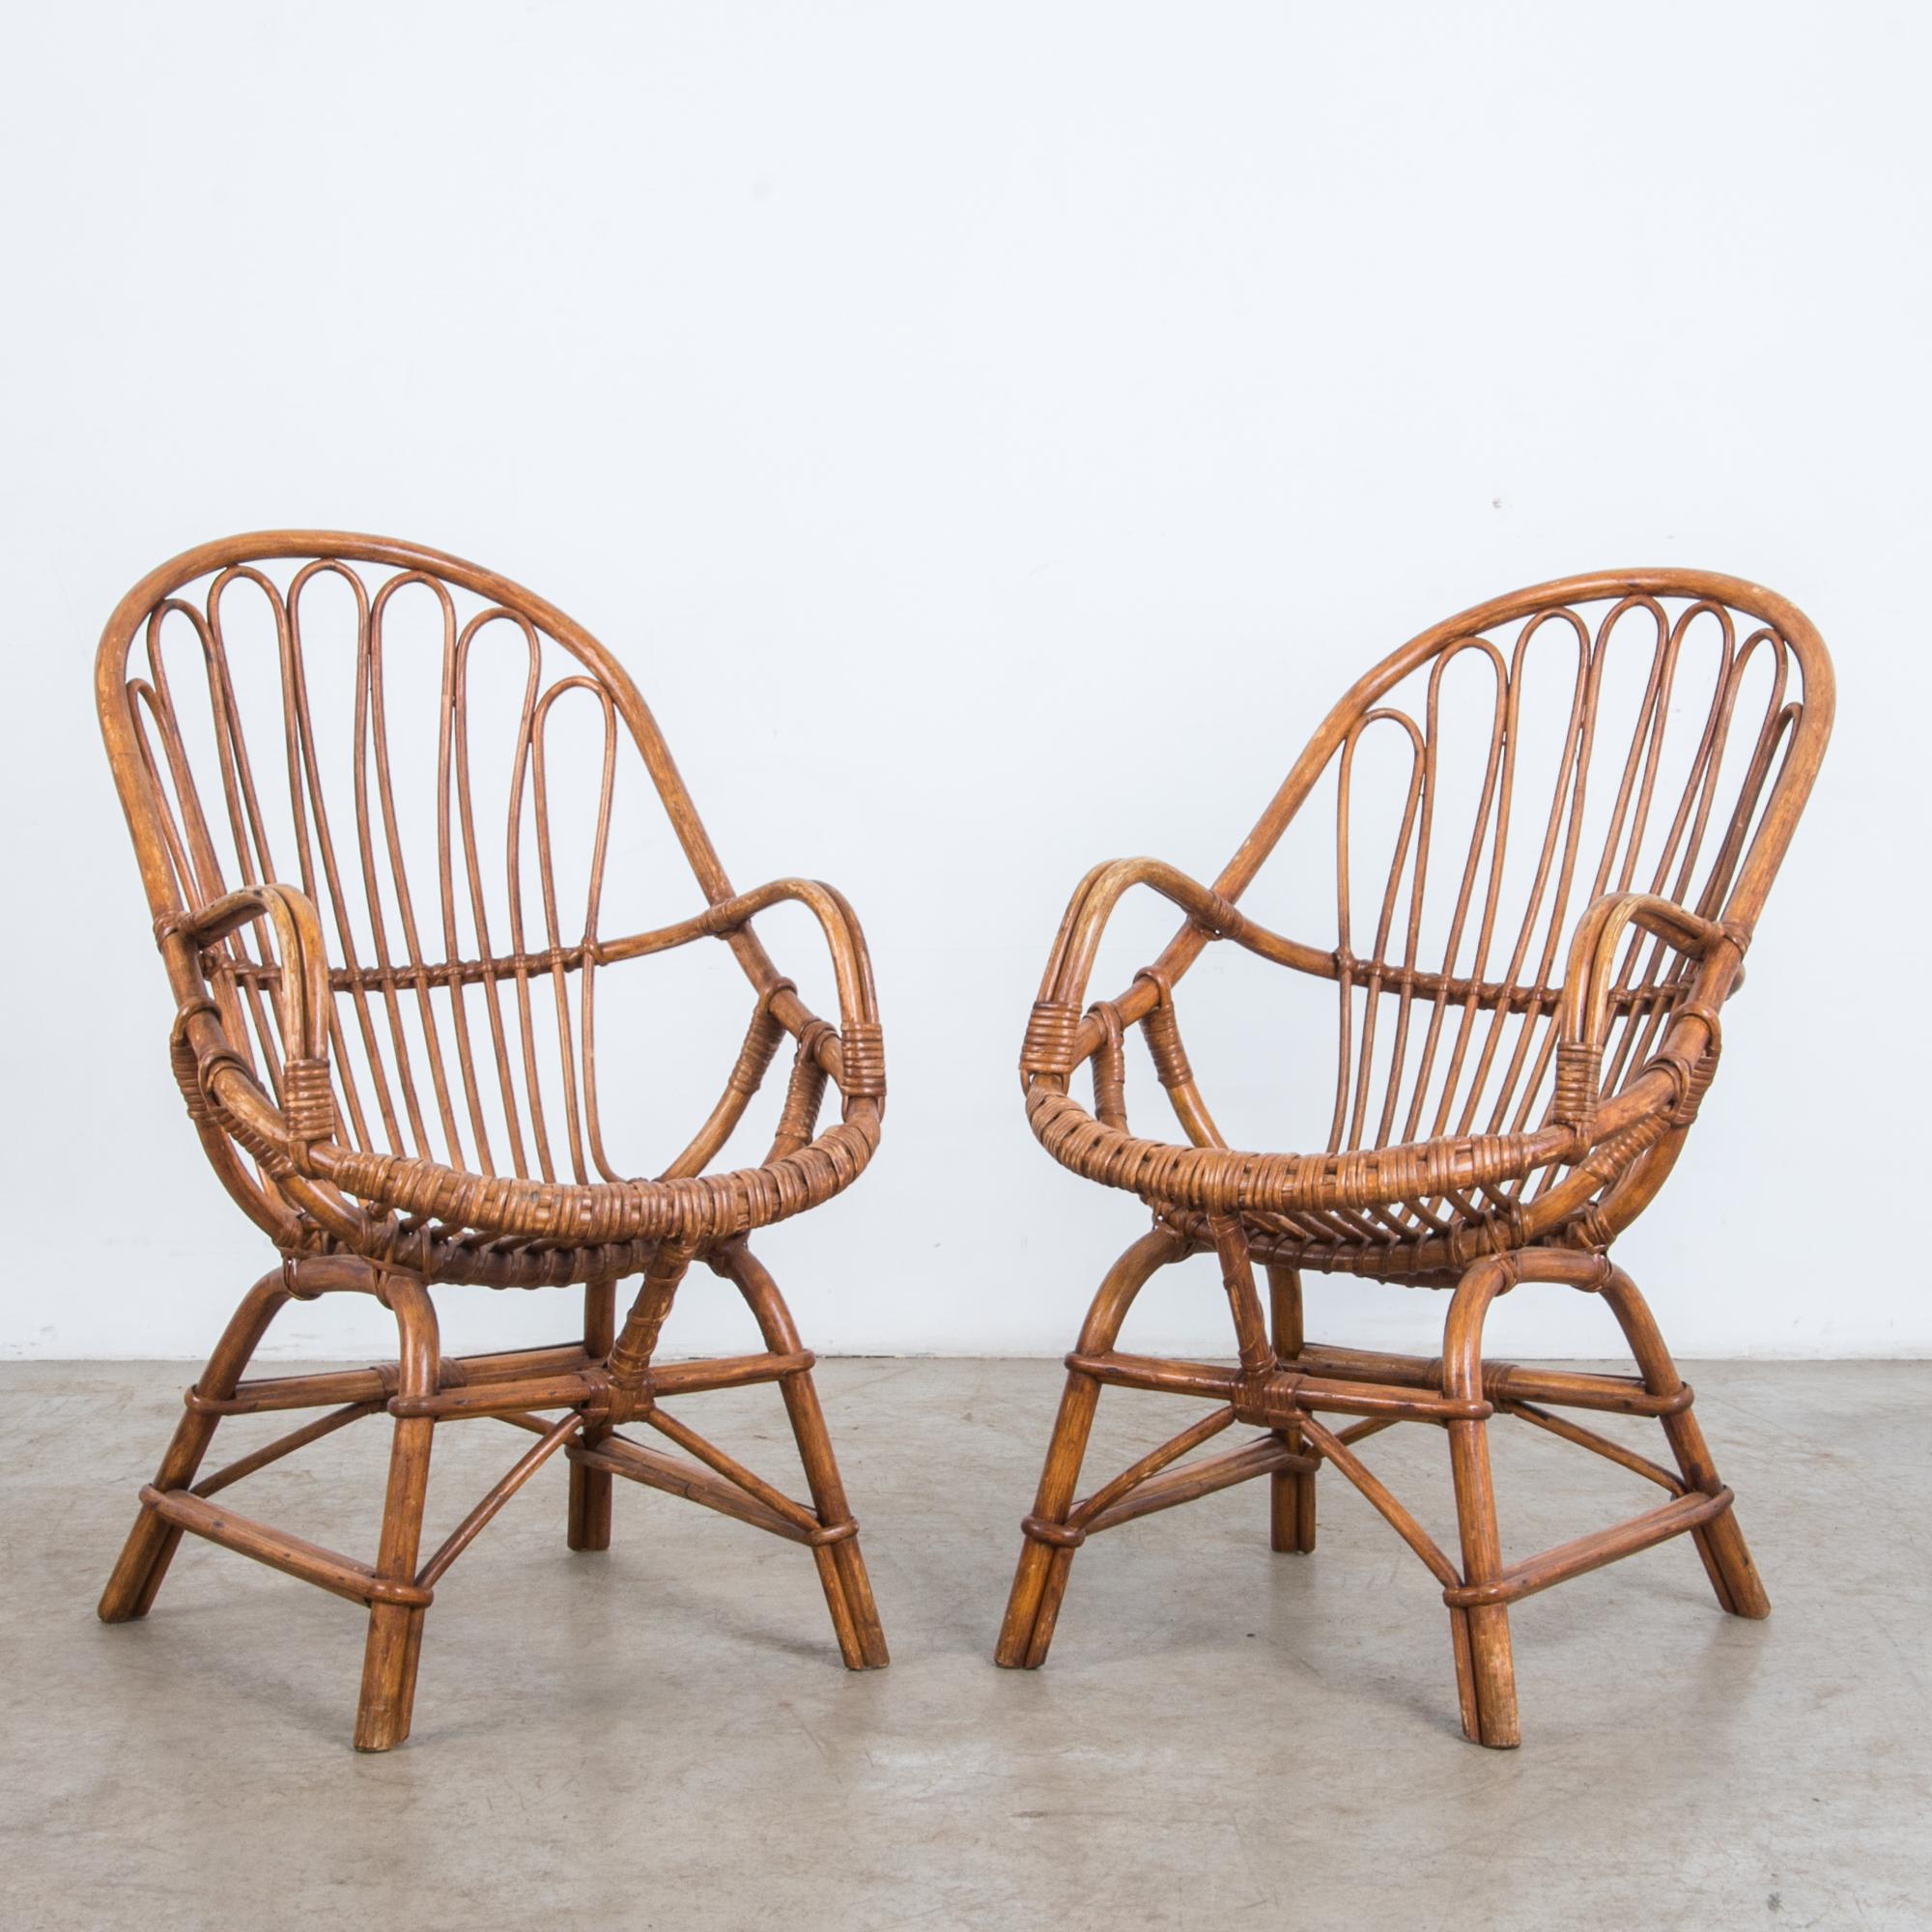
<point>440,761</point>
<point>1649,731</point>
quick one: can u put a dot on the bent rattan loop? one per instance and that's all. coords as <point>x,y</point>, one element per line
<point>1585,792</point>
<point>385,1034</point>
<point>1061,1535</point>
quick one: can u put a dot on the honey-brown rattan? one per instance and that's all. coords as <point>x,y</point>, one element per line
<point>1520,1059</point>
<point>387,1047</point>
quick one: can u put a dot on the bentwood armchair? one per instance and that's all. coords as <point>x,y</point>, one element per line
<point>386,952</point>
<point>1539,915</point>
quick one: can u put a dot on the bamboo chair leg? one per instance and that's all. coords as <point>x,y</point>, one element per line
<point>395,1630</point>
<point>1720,1542</point>
<point>841,1566</point>
<point>152,1542</point>
<point>1039,1582</point>
<point>1291,1491</point>
<point>1485,1665</point>
<point>590,1490</point>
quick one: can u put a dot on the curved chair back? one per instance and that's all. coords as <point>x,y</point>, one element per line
<point>1648,732</point>
<point>389,731</point>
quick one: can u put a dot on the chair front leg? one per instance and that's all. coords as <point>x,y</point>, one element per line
<point>1046,1556</point>
<point>1721,1544</point>
<point>842,1564</point>
<point>1040,1583</point>
<point>1485,1665</point>
<point>395,1630</point>
<point>152,1542</point>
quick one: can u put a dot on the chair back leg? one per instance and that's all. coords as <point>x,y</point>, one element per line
<point>590,1518</point>
<point>1291,1491</point>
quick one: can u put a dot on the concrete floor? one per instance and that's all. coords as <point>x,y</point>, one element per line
<point>662,1736</point>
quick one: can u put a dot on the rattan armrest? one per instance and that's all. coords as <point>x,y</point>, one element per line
<point>1584,1019</point>
<point>208,1065</point>
<point>855,1056</point>
<point>302,995</point>
<point>1059,1039</point>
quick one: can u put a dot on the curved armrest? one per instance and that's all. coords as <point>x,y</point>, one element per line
<point>844,940</point>
<point>1059,1039</point>
<point>302,995</point>
<point>1583,1018</point>
<point>857,1059</point>
<point>210,1066</point>
<point>854,1057</point>
<point>862,1060</point>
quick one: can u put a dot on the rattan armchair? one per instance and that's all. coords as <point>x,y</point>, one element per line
<point>386,1046</point>
<point>1530,996</point>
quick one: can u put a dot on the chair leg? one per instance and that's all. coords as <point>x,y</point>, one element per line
<point>1720,1542</point>
<point>152,1542</point>
<point>841,1566</point>
<point>1484,1666</point>
<point>590,1520</point>
<point>395,1631</point>
<point>1291,1491</point>
<point>1039,1582</point>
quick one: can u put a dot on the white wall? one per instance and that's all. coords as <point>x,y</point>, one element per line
<point>948,406</point>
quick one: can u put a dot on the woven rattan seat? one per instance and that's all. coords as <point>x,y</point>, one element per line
<point>384,1032</point>
<point>1574,844</point>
